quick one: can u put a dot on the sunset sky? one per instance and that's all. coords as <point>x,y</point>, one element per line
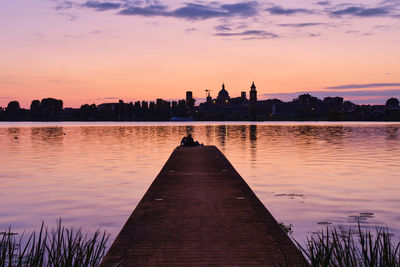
<point>102,51</point>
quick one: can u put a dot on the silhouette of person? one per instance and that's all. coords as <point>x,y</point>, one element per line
<point>184,141</point>
<point>188,141</point>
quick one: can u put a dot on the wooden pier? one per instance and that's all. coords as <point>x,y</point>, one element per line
<point>200,211</point>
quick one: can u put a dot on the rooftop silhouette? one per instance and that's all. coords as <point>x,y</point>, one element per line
<point>223,107</point>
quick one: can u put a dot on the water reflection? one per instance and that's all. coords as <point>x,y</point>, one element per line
<point>392,132</point>
<point>47,135</point>
<point>253,144</point>
<point>306,175</point>
<point>13,132</point>
<point>222,135</point>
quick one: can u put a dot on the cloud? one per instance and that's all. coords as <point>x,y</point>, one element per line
<point>360,86</point>
<point>73,36</point>
<point>243,9</point>
<point>352,31</point>
<point>323,3</point>
<point>195,11</point>
<point>301,25</point>
<point>250,34</point>
<point>65,5</point>
<point>361,11</point>
<point>392,3</point>
<point>222,28</point>
<point>151,10</point>
<point>63,8</point>
<point>96,32</point>
<point>189,30</point>
<point>277,10</point>
<point>101,6</point>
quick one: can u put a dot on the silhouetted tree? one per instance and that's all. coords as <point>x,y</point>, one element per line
<point>174,108</point>
<point>159,109</point>
<point>348,106</point>
<point>152,110</point>
<point>182,110</point>
<point>35,110</point>
<point>162,110</point>
<point>333,105</point>
<point>129,111</point>
<point>392,102</point>
<point>137,112</point>
<point>121,111</point>
<point>50,108</point>
<point>13,111</point>
<point>13,106</point>
<point>167,110</point>
<point>88,112</point>
<point>145,110</point>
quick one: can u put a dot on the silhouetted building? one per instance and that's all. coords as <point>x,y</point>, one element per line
<point>208,97</point>
<point>189,99</point>
<point>333,104</point>
<point>253,94</point>
<point>305,107</point>
<point>223,96</point>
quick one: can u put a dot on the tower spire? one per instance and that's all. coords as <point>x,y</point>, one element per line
<point>253,94</point>
<point>253,86</point>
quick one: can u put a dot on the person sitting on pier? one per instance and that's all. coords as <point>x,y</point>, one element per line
<point>188,141</point>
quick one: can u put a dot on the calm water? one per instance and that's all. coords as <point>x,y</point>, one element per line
<point>92,175</point>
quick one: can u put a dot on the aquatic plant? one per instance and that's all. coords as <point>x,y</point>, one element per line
<point>59,247</point>
<point>338,247</point>
<point>287,228</point>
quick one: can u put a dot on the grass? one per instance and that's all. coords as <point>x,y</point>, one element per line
<point>69,247</point>
<point>59,247</point>
<point>337,247</point>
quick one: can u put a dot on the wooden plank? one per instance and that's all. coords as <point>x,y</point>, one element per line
<point>200,211</point>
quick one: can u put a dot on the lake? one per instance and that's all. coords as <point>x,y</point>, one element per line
<point>92,175</point>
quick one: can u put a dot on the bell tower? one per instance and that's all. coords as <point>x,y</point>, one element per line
<point>253,94</point>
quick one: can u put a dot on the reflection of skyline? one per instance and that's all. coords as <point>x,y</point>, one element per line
<point>220,135</point>
<point>13,132</point>
<point>47,135</point>
<point>222,131</point>
<point>253,143</point>
<point>338,169</point>
<point>392,132</point>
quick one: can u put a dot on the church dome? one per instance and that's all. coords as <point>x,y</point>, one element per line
<point>223,94</point>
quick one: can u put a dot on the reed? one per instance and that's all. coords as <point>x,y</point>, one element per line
<point>70,247</point>
<point>59,247</point>
<point>344,248</point>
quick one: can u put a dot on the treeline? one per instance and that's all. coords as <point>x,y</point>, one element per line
<point>46,110</point>
<point>50,109</point>
<point>160,110</point>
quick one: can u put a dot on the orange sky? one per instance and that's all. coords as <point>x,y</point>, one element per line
<point>102,51</point>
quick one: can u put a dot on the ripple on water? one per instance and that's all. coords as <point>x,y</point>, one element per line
<point>347,172</point>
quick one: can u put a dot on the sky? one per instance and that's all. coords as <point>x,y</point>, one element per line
<point>102,51</point>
